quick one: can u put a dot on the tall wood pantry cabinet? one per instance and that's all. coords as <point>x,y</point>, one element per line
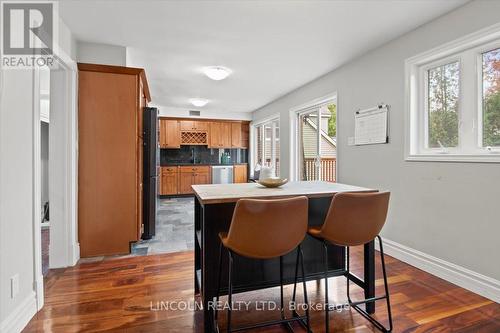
<point>110,157</point>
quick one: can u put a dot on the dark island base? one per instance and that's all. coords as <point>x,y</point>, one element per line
<point>249,274</point>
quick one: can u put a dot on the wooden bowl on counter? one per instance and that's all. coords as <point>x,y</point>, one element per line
<point>272,182</point>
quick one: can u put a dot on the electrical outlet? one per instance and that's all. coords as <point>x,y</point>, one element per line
<point>14,286</point>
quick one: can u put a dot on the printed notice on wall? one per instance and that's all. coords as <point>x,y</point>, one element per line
<point>370,126</point>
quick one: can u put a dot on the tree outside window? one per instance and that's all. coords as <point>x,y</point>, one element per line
<point>491,98</point>
<point>443,97</point>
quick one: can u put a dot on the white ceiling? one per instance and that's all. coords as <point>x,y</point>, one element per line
<point>272,47</point>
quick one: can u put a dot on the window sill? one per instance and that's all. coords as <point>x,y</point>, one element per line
<point>483,158</point>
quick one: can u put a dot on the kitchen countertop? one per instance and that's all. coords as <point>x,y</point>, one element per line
<point>221,193</point>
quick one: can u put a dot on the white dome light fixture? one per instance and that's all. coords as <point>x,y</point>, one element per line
<point>217,73</point>
<point>199,102</point>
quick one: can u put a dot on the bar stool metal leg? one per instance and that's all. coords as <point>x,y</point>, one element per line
<point>348,270</point>
<point>283,318</point>
<point>308,319</point>
<point>218,289</point>
<point>386,285</point>
<point>327,307</point>
<point>230,291</point>
<point>306,324</point>
<point>361,311</point>
<point>302,320</point>
<point>282,307</point>
<point>296,276</point>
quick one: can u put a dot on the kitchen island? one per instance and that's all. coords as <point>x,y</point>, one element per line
<point>214,206</point>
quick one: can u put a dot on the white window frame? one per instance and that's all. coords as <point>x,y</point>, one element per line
<point>424,116</point>
<point>468,51</point>
<point>254,125</point>
<point>479,72</point>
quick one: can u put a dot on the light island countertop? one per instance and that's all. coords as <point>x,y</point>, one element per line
<point>222,193</point>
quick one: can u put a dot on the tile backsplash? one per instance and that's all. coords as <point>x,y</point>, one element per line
<point>201,155</point>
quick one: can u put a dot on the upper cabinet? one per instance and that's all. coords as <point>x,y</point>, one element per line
<point>220,135</point>
<point>170,134</point>
<point>194,132</point>
<point>236,135</point>
<point>239,135</point>
<point>193,125</point>
<point>214,134</point>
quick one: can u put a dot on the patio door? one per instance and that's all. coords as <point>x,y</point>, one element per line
<point>317,144</point>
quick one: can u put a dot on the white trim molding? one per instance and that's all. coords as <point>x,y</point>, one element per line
<point>64,248</point>
<point>461,276</point>
<point>20,316</point>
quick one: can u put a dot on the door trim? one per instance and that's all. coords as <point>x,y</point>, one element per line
<point>69,248</point>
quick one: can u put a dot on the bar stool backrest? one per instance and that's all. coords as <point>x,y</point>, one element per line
<point>355,218</point>
<point>268,228</point>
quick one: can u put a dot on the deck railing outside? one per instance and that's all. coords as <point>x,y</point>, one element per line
<point>328,166</point>
<point>328,169</point>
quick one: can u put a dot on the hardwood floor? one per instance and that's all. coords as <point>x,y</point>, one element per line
<point>123,295</point>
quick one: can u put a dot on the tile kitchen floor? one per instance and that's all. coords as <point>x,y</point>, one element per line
<point>174,228</point>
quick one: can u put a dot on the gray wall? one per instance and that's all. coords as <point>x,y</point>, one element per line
<point>16,190</point>
<point>95,53</point>
<point>448,210</point>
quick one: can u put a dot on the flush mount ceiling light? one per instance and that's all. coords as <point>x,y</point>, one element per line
<point>199,102</point>
<point>217,73</point>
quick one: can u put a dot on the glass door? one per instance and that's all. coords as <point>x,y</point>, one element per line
<point>317,144</point>
<point>267,145</point>
<point>309,165</point>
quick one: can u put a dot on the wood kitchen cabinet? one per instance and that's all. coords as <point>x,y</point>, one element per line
<point>236,135</point>
<point>175,132</point>
<point>170,134</point>
<point>192,175</point>
<point>240,173</point>
<point>185,182</point>
<point>239,135</point>
<point>169,184</point>
<point>193,125</point>
<point>201,178</point>
<point>220,135</point>
<point>110,146</point>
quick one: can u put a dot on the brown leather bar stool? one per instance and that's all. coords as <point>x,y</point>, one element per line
<point>355,219</point>
<point>265,229</point>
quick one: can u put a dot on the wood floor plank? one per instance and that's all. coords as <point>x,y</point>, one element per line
<point>118,295</point>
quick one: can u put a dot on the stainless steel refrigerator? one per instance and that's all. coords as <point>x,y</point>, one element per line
<point>150,171</point>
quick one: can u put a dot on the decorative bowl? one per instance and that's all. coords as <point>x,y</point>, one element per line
<point>273,182</point>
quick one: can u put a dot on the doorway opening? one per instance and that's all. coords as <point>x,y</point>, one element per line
<point>44,91</point>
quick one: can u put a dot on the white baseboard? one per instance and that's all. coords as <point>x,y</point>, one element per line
<point>463,277</point>
<point>20,316</point>
<point>75,254</point>
<point>40,298</point>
